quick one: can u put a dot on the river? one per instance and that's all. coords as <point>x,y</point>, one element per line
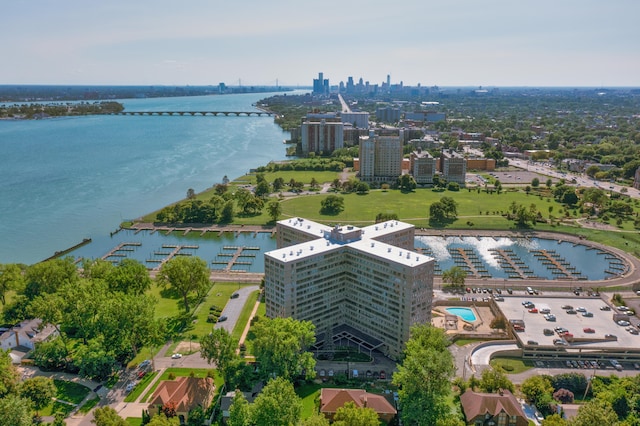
<point>66,179</point>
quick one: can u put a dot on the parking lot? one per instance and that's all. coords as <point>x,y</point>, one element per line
<point>588,332</point>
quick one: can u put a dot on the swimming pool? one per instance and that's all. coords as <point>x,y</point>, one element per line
<point>464,313</point>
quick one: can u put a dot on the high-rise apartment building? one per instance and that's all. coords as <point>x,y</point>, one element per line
<point>380,158</point>
<point>321,135</point>
<point>453,166</point>
<point>366,285</point>
<point>423,167</point>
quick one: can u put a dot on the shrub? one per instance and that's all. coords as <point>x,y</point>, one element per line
<point>563,395</point>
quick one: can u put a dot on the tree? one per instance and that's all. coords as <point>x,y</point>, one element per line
<point>437,212</point>
<point>130,276</point>
<point>454,277</point>
<point>8,374</point>
<point>196,416</point>
<point>350,415</point>
<point>48,277</point>
<point>227,212</point>
<point>315,420</point>
<point>406,183</point>
<point>278,184</point>
<point>16,411</point>
<point>450,207</point>
<point>564,396</point>
<point>424,376</point>
<point>549,183</point>
<point>280,348</point>
<point>51,354</point>
<point>219,347</point>
<point>262,189</point>
<point>186,275</point>
<point>592,171</point>
<point>494,379</point>
<point>274,209</point>
<point>10,279</point>
<point>336,185</point>
<point>94,362</point>
<point>535,182</point>
<point>595,412</point>
<point>554,420</point>
<point>162,420</point>
<point>499,322</point>
<point>107,416</point>
<point>191,194</point>
<point>277,404</point>
<point>537,389</point>
<point>240,411</point>
<point>39,390</point>
<point>332,204</point>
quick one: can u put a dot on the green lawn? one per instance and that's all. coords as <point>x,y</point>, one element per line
<point>140,387</point>
<point>70,392</point>
<point>87,406</point>
<point>511,365</point>
<point>134,421</point>
<point>245,314</point>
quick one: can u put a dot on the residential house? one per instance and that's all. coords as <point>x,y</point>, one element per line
<point>492,409</point>
<point>185,393</point>
<point>23,337</point>
<point>332,399</point>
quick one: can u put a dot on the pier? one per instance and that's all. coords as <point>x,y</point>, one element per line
<point>126,247</point>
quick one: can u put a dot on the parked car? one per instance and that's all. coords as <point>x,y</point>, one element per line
<point>176,356</point>
<point>571,312</point>
<point>547,332</point>
<point>130,387</point>
<point>587,314</point>
<point>222,318</point>
<point>550,317</point>
<point>611,337</point>
<point>581,309</point>
<point>235,295</point>
<point>560,330</point>
<point>588,330</point>
<point>605,308</point>
<point>623,323</point>
<point>510,290</point>
<point>532,342</point>
<point>560,342</point>
<point>533,310</point>
<point>567,307</point>
<point>545,310</point>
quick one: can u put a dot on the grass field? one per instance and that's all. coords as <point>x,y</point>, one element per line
<point>511,365</point>
<point>70,392</point>
<point>140,387</point>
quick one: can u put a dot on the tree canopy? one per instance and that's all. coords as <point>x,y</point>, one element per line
<point>424,376</point>
<point>280,347</point>
<point>186,275</point>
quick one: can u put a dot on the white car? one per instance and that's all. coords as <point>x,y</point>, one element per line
<point>176,356</point>
<point>624,323</point>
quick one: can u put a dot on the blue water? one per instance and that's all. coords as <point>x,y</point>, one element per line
<point>464,313</point>
<point>589,263</point>
<point>65,179</point>
<point>215,248</point>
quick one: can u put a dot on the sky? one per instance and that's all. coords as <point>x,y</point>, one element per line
<point>287,42</point>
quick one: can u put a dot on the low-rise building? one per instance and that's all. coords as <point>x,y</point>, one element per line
<point>332,399</point>
<point>453,166</point>
<point>487,409</point>
<point>184,393</point>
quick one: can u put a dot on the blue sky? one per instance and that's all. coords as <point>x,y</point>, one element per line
<point>201,42</point>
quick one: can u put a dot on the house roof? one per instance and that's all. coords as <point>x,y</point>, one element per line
<point>332,399</point>
<point>185,392</point>
<point>476,404</point>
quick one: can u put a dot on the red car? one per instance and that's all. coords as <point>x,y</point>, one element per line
<point>533,310</point>
<point>588,330</point>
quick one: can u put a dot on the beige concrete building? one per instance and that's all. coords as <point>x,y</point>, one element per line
<point>454,166</point>
<point>423,167</point>
<point>365,285</point>
<point>380,158</point>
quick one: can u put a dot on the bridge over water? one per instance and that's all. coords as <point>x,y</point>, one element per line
<point>198,113</point>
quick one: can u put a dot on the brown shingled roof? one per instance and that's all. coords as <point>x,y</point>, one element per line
<point>185,392</point>
<point>332,399</point>
<point>475,404</point>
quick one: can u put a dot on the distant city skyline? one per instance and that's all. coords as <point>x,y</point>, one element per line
<point>446,43</point>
